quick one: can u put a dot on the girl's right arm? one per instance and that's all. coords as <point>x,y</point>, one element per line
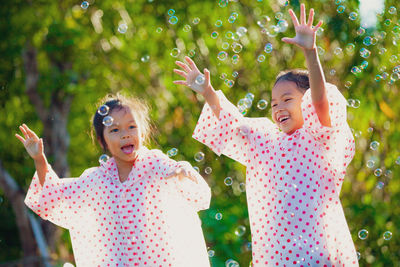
<point>34,147</point>
<point>199,83</point>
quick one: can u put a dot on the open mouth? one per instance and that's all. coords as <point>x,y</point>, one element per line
<point>128,149</point>
<point>283,119</point>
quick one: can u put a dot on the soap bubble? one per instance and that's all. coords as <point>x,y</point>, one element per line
<point>378,78</point>
<point>145,58</point>
<point>364,64</point>
<point>208,170</point>
<point>171,12</point>
<point>261,58</point>
<point>122,28</point>
<point>229,83</point>
<point>363,234</point>
<point>358,255</point>
<point>172,152</point>
<point>387,22</point>
<point>272,30</point>
<point>103,158</point>
<point>268,48</point>
<point>380,185</point>
<point>387,235</point>
<point>228,181</point>
<point>159,30</point>
<point>392,10</point>
<point>231,19</point>
<point>356,103</point>
<point>338,51</point>
<point>231,263</point>
<point>108,121</point>
<point>214,34</point>
<point>347,84</point>
<point>236,47</point>
<point>196,21</point>
<point>200,79</point>
<point>398,160</point>
<point>222,55</point>
<point>218,23</point>
<point>235,74</point>
<point>240,230</point>
<point>175,52</point>
<point>332,72</point>
<point>241,31</point>
<point>187,28</point>
<point>365,53</point>
<point>249,96</point>
<point>374,145</point>
<point>211,253</point>
<point>370,163</point>
<point>367,40</point>
<point>355,70</point>
<point>353,15</point>
<point>173,20</point>
<point>278,15</point>
<point>103,110</point>
<point>341,9</point>
<point>378,172</point>
<point>350,47</point>
<point>85,4</point>
<point>223,3</point>
<point>360,31</point>
<point>191,53</point>
<point>396,30</point>
<point>218,216</point>
<point>262,104</point>
<point>282,25</point>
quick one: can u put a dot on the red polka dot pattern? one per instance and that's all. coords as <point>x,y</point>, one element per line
<point>292,181</point>
<point>145,221</point>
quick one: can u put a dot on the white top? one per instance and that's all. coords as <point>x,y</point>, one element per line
<point>145,221</point>
<point>292,181</point>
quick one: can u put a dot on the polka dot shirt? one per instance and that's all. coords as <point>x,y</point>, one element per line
<point>292,181</point>
<point>145,221</point>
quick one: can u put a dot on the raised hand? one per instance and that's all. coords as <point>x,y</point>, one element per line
<point>32,143</point>
<point>305,32</point>
<point>193,77</point>
<point>184,170</point>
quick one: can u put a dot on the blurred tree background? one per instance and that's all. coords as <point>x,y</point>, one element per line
<point>58,58</point>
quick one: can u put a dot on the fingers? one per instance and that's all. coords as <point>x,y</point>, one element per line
<point>41,145</point>
<point>22,129</point>
<point>181,82</point>
<point>294,18</point>
<point>191,63</point>
<point>30,132</point>
<point>288,40</point>
<point>183,66</point>
<point>302,14</point>
<point>316,27</point>
<point>181,73</point>
<point>207,76</point>
<point>310,18</point>
<point>20,138</point>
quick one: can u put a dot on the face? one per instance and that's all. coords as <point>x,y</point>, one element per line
<point>286,106</point>
<point>123,137</point>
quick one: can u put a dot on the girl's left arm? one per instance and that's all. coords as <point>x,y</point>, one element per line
<point>306,39</point>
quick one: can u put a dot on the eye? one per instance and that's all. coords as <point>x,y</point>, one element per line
<point>114,130</point>
<point>274,105</point>
<point>287,99</point>
<point>132,127</point>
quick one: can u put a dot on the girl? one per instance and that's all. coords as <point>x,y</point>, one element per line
<point>126,212</point>
<point>295,166</point>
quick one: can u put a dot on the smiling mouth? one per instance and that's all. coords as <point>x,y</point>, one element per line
<point>128,149</point>
<point>283,119</point>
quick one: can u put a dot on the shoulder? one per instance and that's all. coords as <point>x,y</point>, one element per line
<point>90,172</point>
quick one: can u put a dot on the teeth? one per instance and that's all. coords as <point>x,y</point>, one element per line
<point>282,118</point>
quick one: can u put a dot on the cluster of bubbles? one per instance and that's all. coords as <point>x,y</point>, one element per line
<point>354,103</point>
<point>172,152</point>
<point>227,81</point>
<point>172,18</point>
<point>245,103</point>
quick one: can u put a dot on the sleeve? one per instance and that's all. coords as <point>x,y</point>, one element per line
<point>56,200</point>
<point>198,194</point>
<point>230,133</point>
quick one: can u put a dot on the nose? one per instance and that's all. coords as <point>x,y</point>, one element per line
<point>125,134</point>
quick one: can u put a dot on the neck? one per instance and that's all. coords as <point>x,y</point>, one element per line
<point>124,168</point>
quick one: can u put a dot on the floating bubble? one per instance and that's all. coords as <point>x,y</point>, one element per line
<point>241,31</point>
<point>338,2</point>
<point>378,172</point>
<point>208,170</point>
<point>380,185</point>
<point>389,174</point>
<point>243,110</point>
<point>222,55</point>
<point>338,51</point>
<point>103,158</point>
<point>103,110</point>
<point>197,169</point>
<point>231,263</point>
<point>240,230</point>
<point>363,234</point>
<point>171,12</point>
<point>222,76</point>
<point>250,97</point>
<point>235,59</point>
<point>228,181</point>
<point>282,25</point>
<point>278,15</point>
<point>261,58</point>
<point>341,9</point>
<point>223,3</point>
<point>264,22</point>
<point>218,216</point>
<point>122,28</point>
<point>350,47</point>
<point>387,235</point>
<point>145,58</point>
<point>374,145</point>
<point>218,23</point>
<point>355,70</point>
<point>347,84</point>
<point>211,253</point>
<point>370,163</point>
<point>196,21</point>
<point>398,160</point>
<point>395,76</point>
<point>245,102</point>
<point>191,53</point>
<point>320,50</point>
<point>272,30</point>
<point>172,152</point>
<point>262,104</point>
<point>353,15</point>
<point>268,48</point>
<point>358,255</point>
<point>360,31</point>
<point>199,156</point>
<point>392,10</point>
<point>235,74</point>
<point>365,53</point>
<point>382,51</point>
<point>364,65</point>
<point>332,72</point>
<point>231,19</point>
<point>1,201</point>
<point>187,28</point>
<point>173,20</point>
<point>367,40</point>
<point>200,79</point>
<point>214,34</point>
<point>228,35</point>
<point>159,30</point>
<point>378,78</point>
<point>175,52</point>
<point>108,121</point>
<point>320,31</point>
<point>350,102</point>
<point>236,47</point>
<point>387,22</point>
<point>225,45</point>
<point>396,30</point>
<point>356,103</point>
<point>85,4</point>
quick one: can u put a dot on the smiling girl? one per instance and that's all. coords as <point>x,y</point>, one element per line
<point>138,208</point>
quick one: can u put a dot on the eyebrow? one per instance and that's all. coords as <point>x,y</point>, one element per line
<point>131,121</point>
<point>288,93</point>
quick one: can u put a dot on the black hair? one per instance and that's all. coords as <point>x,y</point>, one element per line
<point>298,76</point>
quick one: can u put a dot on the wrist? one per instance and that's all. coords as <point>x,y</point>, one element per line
<point>208,92</point>
<point>41,159</point>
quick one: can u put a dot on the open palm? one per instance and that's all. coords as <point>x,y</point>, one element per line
<point>305,32</point>
<point>32,143</point>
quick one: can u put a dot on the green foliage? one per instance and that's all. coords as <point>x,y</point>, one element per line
<point>100,60</point>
